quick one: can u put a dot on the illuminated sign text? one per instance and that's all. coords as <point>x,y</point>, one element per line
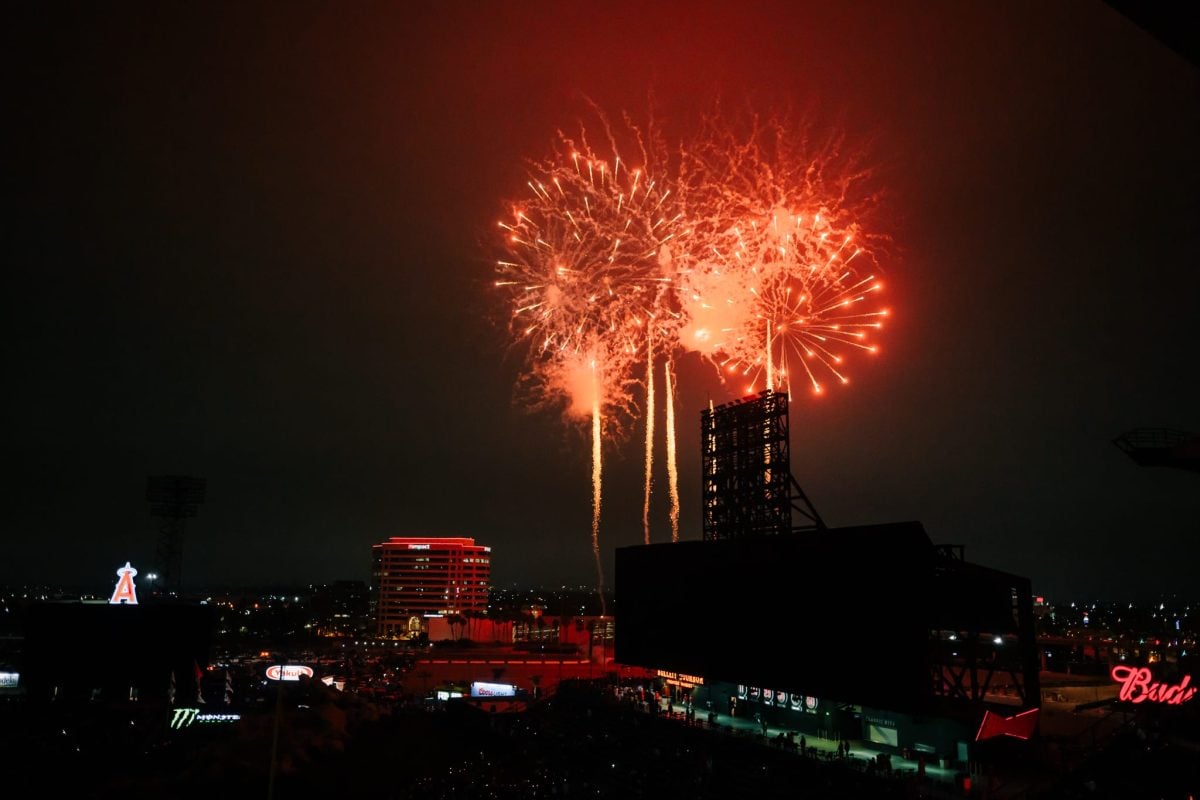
<point>482,689</point>
<point>681,678</point>
<point>290,672</point>
<point>185,717</point>
<point>1137,687</point>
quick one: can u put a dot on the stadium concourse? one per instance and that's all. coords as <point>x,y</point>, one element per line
<point>815,746</point>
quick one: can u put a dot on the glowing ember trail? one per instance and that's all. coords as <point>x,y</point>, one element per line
<point>597,467</point>
<point>649,441</point>
<point>587,269</point>
<point>672,468</point>
<point>770,359</point>
<point>812,325</point>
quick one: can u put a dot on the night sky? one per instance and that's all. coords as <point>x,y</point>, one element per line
<point>255,245</point>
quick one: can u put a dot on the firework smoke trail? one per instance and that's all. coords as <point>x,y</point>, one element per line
<point>649,439</point>
<point>771,280</point>
<point>770,356</point>
<point>672,466</point>
<point>597,474</point>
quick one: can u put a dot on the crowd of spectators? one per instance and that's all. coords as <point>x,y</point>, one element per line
<point>592,741</point>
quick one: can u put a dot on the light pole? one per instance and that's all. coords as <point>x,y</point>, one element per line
<point>275,731</point>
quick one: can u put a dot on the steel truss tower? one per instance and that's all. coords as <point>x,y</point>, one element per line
<point>748,488</point>
<point>173,498</point>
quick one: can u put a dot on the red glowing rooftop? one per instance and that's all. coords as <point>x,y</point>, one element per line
<point>431,542</point>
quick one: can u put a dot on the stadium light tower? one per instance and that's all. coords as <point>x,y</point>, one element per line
<point>748,488</point>
<point>172,498</point>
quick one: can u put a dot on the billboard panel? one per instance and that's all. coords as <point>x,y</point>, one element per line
<point>841,614</point>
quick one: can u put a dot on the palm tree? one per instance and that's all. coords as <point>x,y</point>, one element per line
<point>591,629</point>
<point>470,615</point>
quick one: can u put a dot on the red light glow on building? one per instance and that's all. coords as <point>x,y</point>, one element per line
<point>417,576</point>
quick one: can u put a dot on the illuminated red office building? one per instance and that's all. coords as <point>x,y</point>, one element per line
<point>420,576</point>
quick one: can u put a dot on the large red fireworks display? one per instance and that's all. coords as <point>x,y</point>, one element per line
<point>625,254</point>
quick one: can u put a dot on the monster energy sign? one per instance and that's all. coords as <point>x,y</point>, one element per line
<point>186,717</point>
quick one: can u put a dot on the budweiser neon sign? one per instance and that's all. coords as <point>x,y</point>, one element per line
<point>1137,686</point>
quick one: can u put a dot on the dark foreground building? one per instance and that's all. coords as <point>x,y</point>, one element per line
<point>869,632</point>
<point>77,650</point>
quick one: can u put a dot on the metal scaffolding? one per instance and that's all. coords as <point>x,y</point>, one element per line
<point>982,638</point>
<point>172,498</point>
<point>748,488</point>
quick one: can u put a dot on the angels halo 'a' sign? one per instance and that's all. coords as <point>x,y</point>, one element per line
<point>125,593</point>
